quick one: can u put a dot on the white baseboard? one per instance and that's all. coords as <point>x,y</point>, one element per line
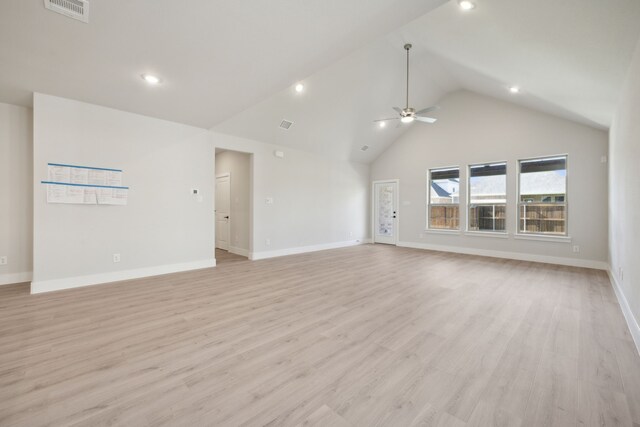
<point>573,262</point>
<point>239,251</point>
<point>632,322</point>
<point>302,249</point>
<point>11,278</point>
<point>116,276</point>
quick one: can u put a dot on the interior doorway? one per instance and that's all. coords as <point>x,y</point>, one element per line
<point>223,211</point>
<point>233,205</point>
<point>385,212</point>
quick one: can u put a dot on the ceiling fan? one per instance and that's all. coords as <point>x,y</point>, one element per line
<point>407,114</point>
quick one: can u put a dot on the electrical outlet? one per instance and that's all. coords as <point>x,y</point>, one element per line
<point>267,242</point>
<point>351,234</point>
<point>116,257</point>
<point>3,260</point>
<point>268,200</point>
<point>576,249</point>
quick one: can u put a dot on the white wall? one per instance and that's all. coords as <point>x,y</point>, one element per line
<point>472,128</point>
<point>238,165</point>
<point>162,229</point>
<point>624,196</point>
<point>319,202</point>
<point>16,202</point>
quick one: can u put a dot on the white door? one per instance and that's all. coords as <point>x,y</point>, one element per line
<point>223,202</point>
<point>385,212</point>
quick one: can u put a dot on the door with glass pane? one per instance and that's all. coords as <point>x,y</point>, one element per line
<point>385,212</point>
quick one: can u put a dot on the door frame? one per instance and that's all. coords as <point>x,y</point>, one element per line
<point>396,235</point>
<point>215,211</point>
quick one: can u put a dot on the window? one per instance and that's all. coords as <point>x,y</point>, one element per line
<point>444,199</point>
<point>542,196</point>
<point>487,197</point>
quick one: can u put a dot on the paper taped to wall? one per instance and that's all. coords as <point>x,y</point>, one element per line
<point>85,185</point>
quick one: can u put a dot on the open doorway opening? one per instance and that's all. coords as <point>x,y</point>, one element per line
<point>232,206</point>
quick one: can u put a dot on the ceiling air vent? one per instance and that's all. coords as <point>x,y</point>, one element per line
<point>285,124</point>
<point>76,9</point>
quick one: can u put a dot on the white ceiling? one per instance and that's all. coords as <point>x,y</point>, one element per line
<point>334,115</point>
<point>216,57</point>
<point>570,59</point>
<point>571,54</point>
<point>232,65</point>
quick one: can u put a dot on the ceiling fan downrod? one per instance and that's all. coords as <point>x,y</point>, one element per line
<point>407,47</point>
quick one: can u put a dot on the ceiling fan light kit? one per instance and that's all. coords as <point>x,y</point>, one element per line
<point>408,114</point>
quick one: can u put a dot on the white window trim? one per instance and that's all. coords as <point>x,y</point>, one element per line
<point>447,231</point>
<point>497,234</point>
<point>563,238</point>
<point>543,237</point>
<point>429,204</point>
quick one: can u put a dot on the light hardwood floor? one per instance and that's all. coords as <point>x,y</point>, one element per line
<point>223,257</point>
<point>367,335</point>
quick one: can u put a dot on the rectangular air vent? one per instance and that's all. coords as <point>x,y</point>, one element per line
<point>285,124</point>
<point>76,9</point>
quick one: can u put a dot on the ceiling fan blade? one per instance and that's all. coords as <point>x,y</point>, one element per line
<point>426,110</point>
<point>426,119</point>
<point>384,120</point>
<point>398,110</point>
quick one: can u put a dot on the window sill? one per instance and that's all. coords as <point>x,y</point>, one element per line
<point>496,234</point>
<point>443,231</point>
<point>543,238</point>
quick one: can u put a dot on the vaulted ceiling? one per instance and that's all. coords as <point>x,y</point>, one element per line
<point>232,65</point>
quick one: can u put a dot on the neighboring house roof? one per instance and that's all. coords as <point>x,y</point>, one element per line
<point>439,190</point>
<point>535,183</point>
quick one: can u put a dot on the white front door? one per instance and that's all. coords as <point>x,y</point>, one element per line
<point>223,198</point>
<point>385,212</point>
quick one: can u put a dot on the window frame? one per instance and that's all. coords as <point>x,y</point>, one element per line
<point>506,199</point>
<point>519,203</point>
<point>429,204</point>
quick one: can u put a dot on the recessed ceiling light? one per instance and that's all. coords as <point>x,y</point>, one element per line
<point>299,87</point>
<point>514,89</point>
<point>407,119</point>
<point>151,79</point>
<point>466,4</point>
<point>382,124</point>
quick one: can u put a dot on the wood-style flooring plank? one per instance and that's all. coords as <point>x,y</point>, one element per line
<point>371,335</point>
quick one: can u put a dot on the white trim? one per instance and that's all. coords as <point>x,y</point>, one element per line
<point>443,231</point>
<point>632,322</point>
<point>543,238</point>
<point>239,251</point>
<point>12,278</point>
<point>116,276</point>
<point>302,249</point>
<point>572,262</point>
<point>498,234</point>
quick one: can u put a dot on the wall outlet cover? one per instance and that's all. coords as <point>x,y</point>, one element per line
<point>3,260</point>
